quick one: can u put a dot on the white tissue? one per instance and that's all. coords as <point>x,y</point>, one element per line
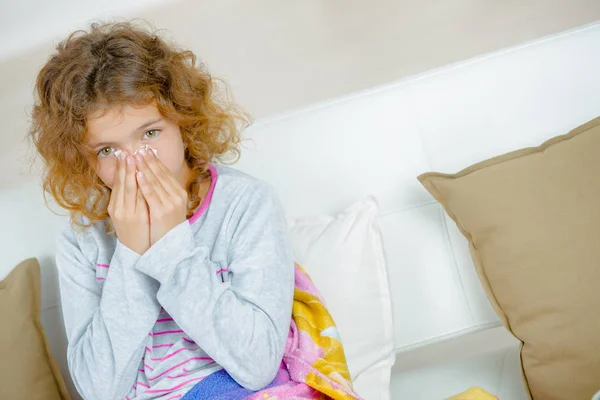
<point>146,147</point>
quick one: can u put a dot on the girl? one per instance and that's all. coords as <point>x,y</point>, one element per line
<point>172,268</point>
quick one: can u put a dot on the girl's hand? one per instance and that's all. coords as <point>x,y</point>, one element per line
<point>167,200</point>
<point>127,207</point>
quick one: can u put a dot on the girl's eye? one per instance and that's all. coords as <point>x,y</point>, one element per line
<point>105,151</point>
<point>151,134</point>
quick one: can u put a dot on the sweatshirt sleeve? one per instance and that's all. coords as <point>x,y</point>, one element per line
<point>241,323</point>
<point>106,326</point>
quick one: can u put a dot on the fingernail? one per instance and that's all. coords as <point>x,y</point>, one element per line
<point>129,160</point>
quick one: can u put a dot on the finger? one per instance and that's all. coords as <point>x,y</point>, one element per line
<point>140,202</point>
<point>118,188</point>
<point>154,202</point>
<point>163,175</point>
<point>113,188</point>
<point>153,182</point>
<point>142,207</point>
<point>129,197</point>
<point>168,180</point>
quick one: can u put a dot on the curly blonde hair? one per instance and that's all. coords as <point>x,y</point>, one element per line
<point>115,64</point>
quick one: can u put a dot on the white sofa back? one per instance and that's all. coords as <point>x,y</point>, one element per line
<point>323,158</point>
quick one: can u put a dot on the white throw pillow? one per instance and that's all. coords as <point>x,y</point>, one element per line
<point>343,254</point>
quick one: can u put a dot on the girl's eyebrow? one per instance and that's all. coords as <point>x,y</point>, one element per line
<point>139,128</point>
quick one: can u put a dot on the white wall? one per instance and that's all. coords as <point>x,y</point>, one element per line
<point>279,55</point>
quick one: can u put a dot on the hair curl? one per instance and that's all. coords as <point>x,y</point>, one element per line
<point>115,64</point>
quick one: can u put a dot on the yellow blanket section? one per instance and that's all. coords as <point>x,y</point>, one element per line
<point>318,338</point>
<point>474,393</point>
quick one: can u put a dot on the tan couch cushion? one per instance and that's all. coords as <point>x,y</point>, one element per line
<point>532,218</point>
<point>28,370</point>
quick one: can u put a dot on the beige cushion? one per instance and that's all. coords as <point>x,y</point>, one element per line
<point>28,370</point>
<point>532,218</point>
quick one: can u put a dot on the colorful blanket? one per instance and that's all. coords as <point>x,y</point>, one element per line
<point>313,367</point>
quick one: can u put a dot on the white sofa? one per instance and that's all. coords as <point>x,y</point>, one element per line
<point>323,158</point>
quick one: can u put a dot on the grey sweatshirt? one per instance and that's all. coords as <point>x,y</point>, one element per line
<point>215,292</point>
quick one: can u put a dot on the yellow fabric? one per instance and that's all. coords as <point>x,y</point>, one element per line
<point>474,393</point>
<point>328,364</point>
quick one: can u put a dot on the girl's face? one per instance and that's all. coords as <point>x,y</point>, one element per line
<point>127,129</point>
